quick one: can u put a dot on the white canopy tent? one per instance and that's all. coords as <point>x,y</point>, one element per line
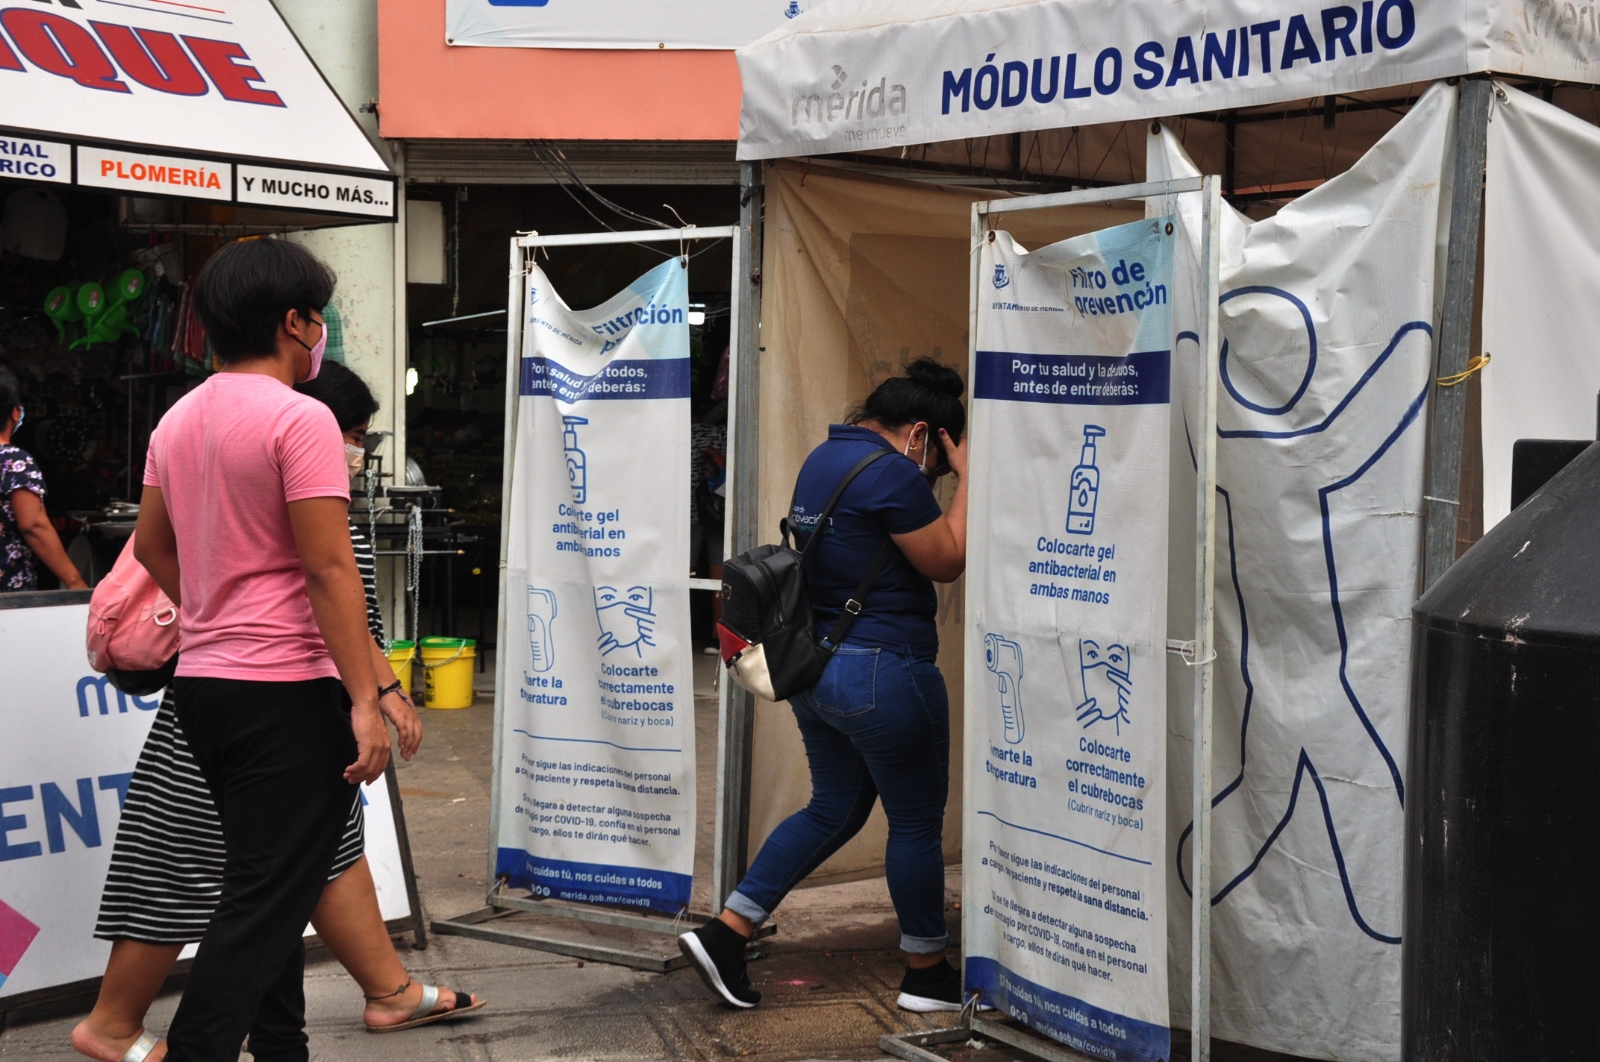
<point>996,97</point>
<point>881,74</point>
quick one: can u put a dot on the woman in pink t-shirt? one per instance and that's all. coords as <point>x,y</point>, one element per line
<point>243,524</point>
<point>166,866</point>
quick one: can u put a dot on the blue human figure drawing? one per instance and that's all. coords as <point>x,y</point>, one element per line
<point>1315,480</point>
<point>1105,672</point>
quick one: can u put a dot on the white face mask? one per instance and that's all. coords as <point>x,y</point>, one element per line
<point>922,464</point>
<point>356,458</point>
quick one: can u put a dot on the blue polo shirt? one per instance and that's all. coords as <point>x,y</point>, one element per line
<point>891,497</point>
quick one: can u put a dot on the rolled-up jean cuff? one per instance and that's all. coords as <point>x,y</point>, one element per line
<point>740,904</point>
<point>917,945</point>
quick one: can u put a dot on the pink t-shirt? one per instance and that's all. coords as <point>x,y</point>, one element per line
<point>229,457</point>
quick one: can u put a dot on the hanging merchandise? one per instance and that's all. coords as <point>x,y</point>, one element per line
<point>189,338</point>
<point>334,323</point>
<point>61,306</point>
<point>1327,317</point>
<point>105,312</point>
<point>596,798</point>
<point>1067,590</point>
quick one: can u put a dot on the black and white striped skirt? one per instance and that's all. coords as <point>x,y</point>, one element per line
<point>166,864</point>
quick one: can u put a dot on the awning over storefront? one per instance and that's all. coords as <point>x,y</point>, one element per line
<point>863,75</point>
<point>203,99</point>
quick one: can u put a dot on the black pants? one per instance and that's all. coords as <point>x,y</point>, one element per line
<point>273,755</point>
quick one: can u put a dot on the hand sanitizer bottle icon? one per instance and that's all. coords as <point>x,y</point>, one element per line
<point>1085,487</point>
<point>541,639</point>
<point>577,463</point>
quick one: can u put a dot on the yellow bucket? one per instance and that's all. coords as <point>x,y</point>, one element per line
<point>400,655</point>
<point>447,671</point>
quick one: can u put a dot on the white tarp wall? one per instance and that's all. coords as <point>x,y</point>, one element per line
<point>888,73</point>
<point>1066,752</point>
<point>1541,258</point>
<point>71,744</point>
<point>1328,313</point>
<point>596,780</point>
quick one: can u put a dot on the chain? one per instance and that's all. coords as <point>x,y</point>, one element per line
<point>414,567</point>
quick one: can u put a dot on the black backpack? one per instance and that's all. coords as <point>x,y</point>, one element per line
<point>766,634</point>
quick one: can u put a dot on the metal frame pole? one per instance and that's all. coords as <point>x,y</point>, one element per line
<point>514,315</point>
<point>1443,494</point>
<point>1204,612</point>
<point>980,222</point>
<point>735,705</point>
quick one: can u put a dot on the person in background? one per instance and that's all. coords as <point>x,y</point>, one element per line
<point>166,864</point>
<point>26,534</point>
<point>708,476</point>
<point>243,524</point>
<point>877,724</point>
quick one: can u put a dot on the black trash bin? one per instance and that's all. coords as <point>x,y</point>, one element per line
<point>1501,954</point>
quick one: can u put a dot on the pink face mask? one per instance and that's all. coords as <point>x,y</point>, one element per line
<point>315,352</point>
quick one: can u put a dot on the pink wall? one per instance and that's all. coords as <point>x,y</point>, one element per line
<point>427,89</point>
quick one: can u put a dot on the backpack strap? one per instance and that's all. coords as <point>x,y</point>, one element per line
<point>858,599</point>
<point>838,492</point>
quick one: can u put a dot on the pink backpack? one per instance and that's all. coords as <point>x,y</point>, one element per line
<point>133,626</point>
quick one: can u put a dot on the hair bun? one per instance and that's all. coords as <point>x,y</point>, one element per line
<point>930,374</point>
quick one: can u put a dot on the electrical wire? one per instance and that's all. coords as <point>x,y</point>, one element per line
<point>549,154</point>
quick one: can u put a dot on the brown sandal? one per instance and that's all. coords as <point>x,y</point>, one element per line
<point>425,1013</point>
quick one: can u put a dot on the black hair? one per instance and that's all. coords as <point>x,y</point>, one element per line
<point>245,289</point>
<point>10,393</point>
<point>928,391</point>
<point>342,391</point>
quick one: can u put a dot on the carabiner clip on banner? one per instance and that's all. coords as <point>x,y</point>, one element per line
<point>1185,651</point>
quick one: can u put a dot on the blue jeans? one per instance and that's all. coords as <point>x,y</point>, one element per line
<point>876,725</point>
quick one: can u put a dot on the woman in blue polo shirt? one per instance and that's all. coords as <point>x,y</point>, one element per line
<point>877,726</point>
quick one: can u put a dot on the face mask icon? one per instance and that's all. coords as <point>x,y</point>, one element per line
<point>541,618</point>
<point>1107,683</point>
<point>1004,658</point>
<point>627,618</point>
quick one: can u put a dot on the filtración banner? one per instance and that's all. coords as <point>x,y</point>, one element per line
<point>597,779</point>
<point>1066,638</point>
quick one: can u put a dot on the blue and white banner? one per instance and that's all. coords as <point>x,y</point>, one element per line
<point>71,743</point>
<point>596,789</point>
<point>1066,638</point>
<point>712,24</point>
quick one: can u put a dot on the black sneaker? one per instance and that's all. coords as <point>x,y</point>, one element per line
<point>717,954</point>
<point>932,988</point>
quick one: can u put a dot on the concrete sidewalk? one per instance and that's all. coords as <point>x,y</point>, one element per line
<point>829,977</point>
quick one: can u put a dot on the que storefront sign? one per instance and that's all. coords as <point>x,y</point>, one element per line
<point>202,101</point>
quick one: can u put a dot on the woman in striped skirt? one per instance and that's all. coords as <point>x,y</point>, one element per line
<point>166,865</point>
